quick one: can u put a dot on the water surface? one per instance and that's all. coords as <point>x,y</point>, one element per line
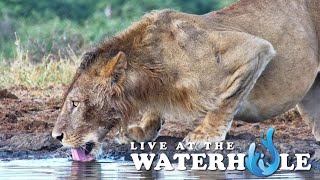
<point>108,169</point>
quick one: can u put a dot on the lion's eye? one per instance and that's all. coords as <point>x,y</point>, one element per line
<point>75,103</point>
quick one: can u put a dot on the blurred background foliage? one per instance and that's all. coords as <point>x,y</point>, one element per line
<point>61,27</point>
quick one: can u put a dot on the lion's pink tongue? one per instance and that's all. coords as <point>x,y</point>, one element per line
<point>78,154</point>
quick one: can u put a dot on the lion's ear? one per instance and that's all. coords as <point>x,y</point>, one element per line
<point>115,67</point>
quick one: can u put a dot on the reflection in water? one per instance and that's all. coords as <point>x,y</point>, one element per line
<point>85,170</point>
<point>107,169</point>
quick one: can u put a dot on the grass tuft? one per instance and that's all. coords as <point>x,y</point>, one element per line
<point>49,72</point>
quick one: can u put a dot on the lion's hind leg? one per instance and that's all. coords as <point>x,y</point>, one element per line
<point>148,130</point>
<point>309,108</point>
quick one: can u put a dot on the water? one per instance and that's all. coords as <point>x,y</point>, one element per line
<point>108,169</point>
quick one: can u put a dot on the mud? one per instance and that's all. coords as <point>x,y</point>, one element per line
<point>27,116</point>
<point>4,93</point>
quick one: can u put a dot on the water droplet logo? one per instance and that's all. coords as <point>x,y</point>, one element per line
<point>255,162</point>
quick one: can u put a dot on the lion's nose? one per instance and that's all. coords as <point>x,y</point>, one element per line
<point>58,136</point>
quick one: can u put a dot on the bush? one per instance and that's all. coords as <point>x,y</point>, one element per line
<point>8,27</point>
<point>55,38</point>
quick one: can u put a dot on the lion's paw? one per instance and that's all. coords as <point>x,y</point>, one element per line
<point>134,134</point>
<point>200,139</point>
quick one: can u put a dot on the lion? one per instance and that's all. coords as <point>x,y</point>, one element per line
<point>250,61</point>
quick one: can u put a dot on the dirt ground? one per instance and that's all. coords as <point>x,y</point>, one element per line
<point>27,116</point>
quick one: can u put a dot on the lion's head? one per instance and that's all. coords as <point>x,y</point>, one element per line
<point>100,95</point>
<point>90,107</point>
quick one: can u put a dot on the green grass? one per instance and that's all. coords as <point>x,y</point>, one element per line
<point>54,36</point>
<point>44,74</point>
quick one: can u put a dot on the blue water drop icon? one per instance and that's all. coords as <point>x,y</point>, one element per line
<point>256,163</point>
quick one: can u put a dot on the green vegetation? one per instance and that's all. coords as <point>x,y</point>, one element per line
<point>22,71</point>
<point>57,31</point>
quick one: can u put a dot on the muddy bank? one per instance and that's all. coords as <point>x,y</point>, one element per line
<point>27,117</point>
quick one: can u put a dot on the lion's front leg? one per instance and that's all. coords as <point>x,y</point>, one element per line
<point>213,128</point>
<point>244,59</point>
<point>148,130</point>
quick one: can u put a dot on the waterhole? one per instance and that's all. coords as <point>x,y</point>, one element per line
<point>61,168</point>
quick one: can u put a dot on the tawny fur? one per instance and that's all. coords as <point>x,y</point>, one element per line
<point>215,66</point>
